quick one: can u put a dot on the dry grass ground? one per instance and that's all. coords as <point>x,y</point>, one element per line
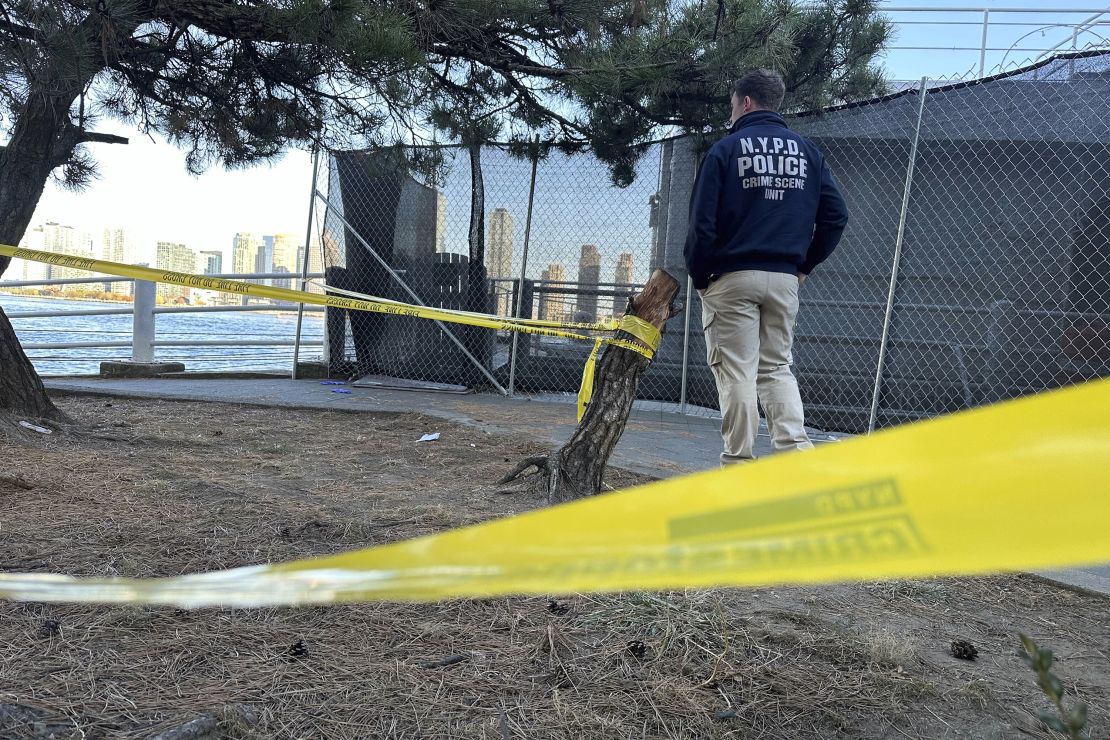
<point>162,488</point>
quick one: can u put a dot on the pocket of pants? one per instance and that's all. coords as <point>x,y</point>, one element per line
<point>712,350</point>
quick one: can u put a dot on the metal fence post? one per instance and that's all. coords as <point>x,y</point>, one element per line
<point>896,261</point>
<point>686,329</point>
<point>305,263</point>
<point>142,322</point>
<point>685,345</point>
<point>983,45</point>
<point>524,263</point>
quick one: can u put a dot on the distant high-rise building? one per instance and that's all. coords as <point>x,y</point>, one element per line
<point>315,265</point>
<point>178,258</point>
<point>59,239</point>
<point>441,221</point>
<point>286,283</point>
<point>212,261</point>
<point>499,255</point>
<point>33,239</point>
<point>589,276</point>
<point>264,257</point>
<point>622,276</point>
<point>553,306</point>
<point>115,248</point>
<point>244,251</point>
<point>283,253</point>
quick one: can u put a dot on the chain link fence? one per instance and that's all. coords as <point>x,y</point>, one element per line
<point>976,266</point>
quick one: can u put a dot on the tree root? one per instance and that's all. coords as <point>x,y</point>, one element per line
<point>542,464</point>
<point>17,481</point>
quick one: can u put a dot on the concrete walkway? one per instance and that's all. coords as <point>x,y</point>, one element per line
<point>657,443</point>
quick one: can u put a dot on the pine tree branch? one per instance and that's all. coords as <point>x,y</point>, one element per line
<point>93,137</point>
<point>20,31</point>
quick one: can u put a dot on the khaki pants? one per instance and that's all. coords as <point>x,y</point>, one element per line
<point>749,329</point>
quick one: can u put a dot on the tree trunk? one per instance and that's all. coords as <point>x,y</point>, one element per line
<point>476,340</point>
<point>21,391</point>
<point>476,236</point>
<point>578,467</point>
<point>40,142</point>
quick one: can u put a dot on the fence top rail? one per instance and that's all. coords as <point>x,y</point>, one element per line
<point>980,10</point>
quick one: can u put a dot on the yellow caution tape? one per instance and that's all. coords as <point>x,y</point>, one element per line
<point>1021,485</point>
<point>605,325</point>
<point>634,325</point>
<point>586,387</point>
<point>647,334</point>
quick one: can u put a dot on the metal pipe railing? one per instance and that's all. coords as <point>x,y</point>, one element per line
<point>144,310</point>
<point>112,279</point>
<point>173,343</point>
<point>158,310</point>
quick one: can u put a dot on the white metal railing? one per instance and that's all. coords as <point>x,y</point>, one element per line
<point>144,309</point>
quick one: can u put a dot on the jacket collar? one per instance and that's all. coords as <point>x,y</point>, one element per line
<point>757,117</point>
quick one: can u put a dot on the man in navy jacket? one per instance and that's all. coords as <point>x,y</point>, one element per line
<point>765,212</point>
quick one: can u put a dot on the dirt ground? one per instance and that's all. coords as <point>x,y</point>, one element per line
<point>163,488</point>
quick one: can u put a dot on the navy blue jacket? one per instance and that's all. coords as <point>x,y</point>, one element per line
<point>764,200</point>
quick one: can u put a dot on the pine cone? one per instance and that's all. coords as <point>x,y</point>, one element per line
<point>964,650</point>
<point>637,648</point>
<point>298,650</point>
<point>50,628</point>
<point>556,608</point>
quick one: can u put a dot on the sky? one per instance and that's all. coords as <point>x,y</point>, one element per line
<point>145,189</point>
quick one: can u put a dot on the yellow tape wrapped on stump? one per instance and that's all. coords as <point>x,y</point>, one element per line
<point>1020,485</point>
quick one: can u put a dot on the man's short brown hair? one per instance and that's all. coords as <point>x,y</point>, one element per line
<point>764,86</point>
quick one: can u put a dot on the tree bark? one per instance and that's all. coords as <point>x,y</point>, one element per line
<point>578,467</point>
<point>476,339</point>
<point>41,140</point>
<point>21,391</point>
<point>476,236</point>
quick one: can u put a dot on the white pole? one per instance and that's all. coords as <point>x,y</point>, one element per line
<point>142,322</point>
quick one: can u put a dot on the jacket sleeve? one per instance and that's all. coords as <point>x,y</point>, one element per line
<point>832,217</point>
<point>701,237</point>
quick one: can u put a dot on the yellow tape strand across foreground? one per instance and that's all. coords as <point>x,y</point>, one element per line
<point>1021,485</point>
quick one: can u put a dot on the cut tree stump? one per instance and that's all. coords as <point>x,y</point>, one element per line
<point>577,468</point>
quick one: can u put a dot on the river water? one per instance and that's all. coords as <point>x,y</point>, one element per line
<point>180,327</point>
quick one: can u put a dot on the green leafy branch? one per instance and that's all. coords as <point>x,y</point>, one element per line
<point>1070,722</point>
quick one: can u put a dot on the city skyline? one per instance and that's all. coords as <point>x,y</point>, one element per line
<point>116,245</point>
